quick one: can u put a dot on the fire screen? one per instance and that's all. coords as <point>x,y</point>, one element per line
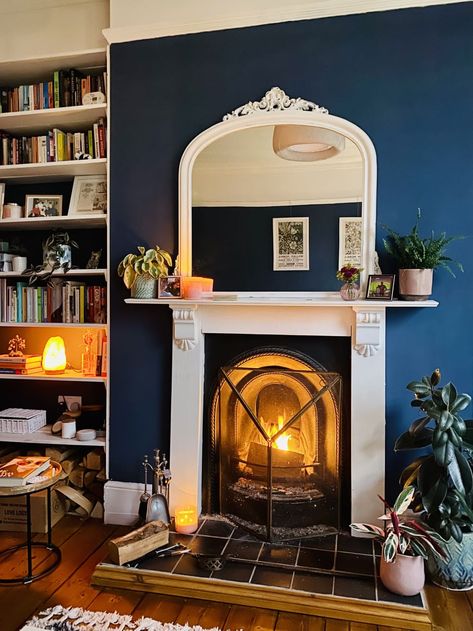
<point>278,427</point>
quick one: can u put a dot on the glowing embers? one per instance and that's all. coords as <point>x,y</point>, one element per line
<point>278,421</point>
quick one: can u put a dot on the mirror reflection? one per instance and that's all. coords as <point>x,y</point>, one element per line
<point>243,181</point>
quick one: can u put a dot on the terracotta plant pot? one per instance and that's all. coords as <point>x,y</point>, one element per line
<point>415,284</point>
<point>404,576</point>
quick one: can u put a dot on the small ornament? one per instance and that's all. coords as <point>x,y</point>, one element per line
<point>80,155</point>
<point>94,259</point>
<point>89,357</point>
<point>16,346</point>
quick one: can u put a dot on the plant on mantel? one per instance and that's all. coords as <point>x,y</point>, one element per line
<point>417,257</point>
<point>141,271</point>
<point>443,478</point>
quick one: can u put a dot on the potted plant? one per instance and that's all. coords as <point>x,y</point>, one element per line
<point>57,256</point>
<point>349,276</point>
<point>141,271</point>
<point>417,258</point>
<point>405,545</point>
<point>443,477</point>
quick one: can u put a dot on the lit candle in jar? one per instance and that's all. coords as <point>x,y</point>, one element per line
<point>187,520</point>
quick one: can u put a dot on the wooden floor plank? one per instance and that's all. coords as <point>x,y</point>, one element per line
<point>314,623</point>
<point>122,601</point>
<point>157,607</point>
<point>215,615</point>
<point>31,597</point>
<point>449,610</point>
<point>337,625</point>
<point>264,620</point>
<point>239,618</point>
<point>286,621</point>
<point>362,626</point>
<point>191,612</point>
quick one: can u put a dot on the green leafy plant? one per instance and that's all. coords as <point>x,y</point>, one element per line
<point>443,478</point>
<point>55,257</point>
<point>155,262</point>
<point>405,536</point>
<point>414,252</point>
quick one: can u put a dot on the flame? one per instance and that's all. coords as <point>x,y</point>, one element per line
<point>282,442</point>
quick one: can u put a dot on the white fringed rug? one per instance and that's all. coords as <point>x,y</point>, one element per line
<point>76,619</point>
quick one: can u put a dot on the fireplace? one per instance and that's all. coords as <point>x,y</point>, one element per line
<point>274,458</point>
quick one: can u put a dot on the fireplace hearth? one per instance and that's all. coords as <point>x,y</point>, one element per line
<point>274,461</point>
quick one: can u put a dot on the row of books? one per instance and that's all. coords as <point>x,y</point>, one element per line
<point>65,88</point>
<point>22,365</point>
<point>64,301</point>
<point>23,470</point>
<point>21,421</point>
<point>55,146</point>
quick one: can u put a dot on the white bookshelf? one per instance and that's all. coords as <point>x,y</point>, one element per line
<point>81,220</point>
<point>68,375</point>
<point>55,325</point>
<point>65,275</point>
<point>44,437</point>
<point>40,171</point>
<point>78,118</point>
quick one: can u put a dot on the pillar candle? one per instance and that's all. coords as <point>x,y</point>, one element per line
<point>186,519</point>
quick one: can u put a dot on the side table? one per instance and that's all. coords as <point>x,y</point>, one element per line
<point>27,490</point>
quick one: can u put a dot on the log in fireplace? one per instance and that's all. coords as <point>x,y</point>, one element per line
<point>274,459</point>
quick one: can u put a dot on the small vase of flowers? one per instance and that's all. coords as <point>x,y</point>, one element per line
<point>349,276</point>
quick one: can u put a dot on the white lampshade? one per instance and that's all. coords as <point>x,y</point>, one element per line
<point>304,143</point>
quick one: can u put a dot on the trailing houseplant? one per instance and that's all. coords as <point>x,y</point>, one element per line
<point>141,271</point>
<point>57,256</point>
<point>405,545</point>
<point>417,257</point>
<point>443,477</point>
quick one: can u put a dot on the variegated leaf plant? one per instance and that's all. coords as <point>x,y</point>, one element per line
<point>404,536</point>
<point>155,262</point>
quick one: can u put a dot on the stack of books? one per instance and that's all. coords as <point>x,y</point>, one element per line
<point>23,365</point>
<point>21,470</point>
<point>21,421</point>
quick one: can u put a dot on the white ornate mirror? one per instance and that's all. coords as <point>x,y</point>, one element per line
<point>278,157</point>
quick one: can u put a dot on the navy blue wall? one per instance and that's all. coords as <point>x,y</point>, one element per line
<point>403,76</point>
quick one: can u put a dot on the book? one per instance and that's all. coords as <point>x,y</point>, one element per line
<point>19,470</point>
<point>24,360</point>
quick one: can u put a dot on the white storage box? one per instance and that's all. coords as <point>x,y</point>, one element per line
<point>22,421</point>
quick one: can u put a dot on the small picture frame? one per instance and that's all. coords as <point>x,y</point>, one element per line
<point>89,195</point>
<point>350,242</point>
<point>43,206</point>
<point>169,287</point>
<point>380,287</point>
<point>290,244</point>
<point>2,196</point>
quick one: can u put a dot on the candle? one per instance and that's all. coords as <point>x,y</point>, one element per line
<point>193,286</point>
<point>186,518</point>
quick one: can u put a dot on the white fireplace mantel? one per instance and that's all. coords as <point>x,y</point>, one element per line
<point>310,314</point>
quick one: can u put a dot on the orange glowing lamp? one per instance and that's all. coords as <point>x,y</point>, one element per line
<point>54,356</point>
<point>186,519</point>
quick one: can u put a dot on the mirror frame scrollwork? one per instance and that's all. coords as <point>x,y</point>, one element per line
<point>277,108</point>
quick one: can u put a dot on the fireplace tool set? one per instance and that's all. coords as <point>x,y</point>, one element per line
<point>155,506</point>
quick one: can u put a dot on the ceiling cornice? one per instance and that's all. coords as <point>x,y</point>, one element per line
<point>258,15</point>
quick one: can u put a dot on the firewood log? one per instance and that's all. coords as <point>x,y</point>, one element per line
<point>138,542</point>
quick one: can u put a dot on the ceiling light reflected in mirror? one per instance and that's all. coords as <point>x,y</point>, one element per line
<point>304,143</point>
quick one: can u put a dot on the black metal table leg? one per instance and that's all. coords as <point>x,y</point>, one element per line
<point>28,538</point>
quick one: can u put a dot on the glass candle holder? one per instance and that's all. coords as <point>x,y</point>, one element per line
<point>186,519</point>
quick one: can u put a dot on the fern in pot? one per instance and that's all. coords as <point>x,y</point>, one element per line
<point>141,271</point>
<point>443,477</point>
<point>417,257</point>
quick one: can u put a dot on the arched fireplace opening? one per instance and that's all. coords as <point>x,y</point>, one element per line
<point>274,458</point>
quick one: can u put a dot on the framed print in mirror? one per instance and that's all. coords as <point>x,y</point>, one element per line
<point>89,194</point>
<point>349,245</point>
<point>43,205</point>
<point>290,244</point>
<point>380,287</point>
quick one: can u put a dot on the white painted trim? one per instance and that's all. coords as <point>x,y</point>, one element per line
<point>258,16</point>
<point>288,116</point>
<point>121,502</point>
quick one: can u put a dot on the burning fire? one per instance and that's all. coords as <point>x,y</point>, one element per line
<point>283,441</point>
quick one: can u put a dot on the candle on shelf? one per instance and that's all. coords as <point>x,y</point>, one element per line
<point>193,286</point>
<point>186,519</point>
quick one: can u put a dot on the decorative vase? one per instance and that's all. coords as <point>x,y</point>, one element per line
<point>404,576</point>
<point>456,571</point>
<point>350,291</point>
<point>58,255</point>
<point>145,286</point>
<point>415,284</point>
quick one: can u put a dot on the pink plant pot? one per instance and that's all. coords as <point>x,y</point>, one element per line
<point>415,284</point>
<point>404,576</point>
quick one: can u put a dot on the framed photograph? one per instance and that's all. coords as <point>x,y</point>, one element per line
<point>290,244</point>
<point>380,287</point>
<point>89,195</point>
<point>349,245</point>
<point>169,287</point>
<point>43,205</point>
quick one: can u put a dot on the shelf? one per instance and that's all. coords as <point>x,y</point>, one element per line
<point>44,437</point>
<point>69,375</point>
<point>81,220</point>
<point>78,118</point>
<point>72,272</point>
<point>15,72</point>
<point>40,171</point>
<point>67,325</point>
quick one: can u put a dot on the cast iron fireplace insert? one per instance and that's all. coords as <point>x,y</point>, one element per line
<point>274,458</point>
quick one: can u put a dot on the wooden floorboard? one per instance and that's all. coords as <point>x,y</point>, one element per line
<point>84,544</point>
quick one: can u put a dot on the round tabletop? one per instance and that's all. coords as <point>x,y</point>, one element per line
<point>47,478</point>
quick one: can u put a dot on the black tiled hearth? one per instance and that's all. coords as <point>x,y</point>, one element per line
<point>291,565</point>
